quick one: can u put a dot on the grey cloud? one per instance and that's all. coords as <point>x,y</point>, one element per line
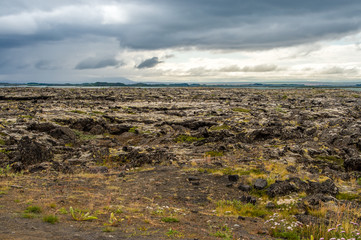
<point>336,70</point>
<point>94,63</point>
<point>159,24</point>
<point>149,63</point>
<point>45,65</point>
<point>256,68</point>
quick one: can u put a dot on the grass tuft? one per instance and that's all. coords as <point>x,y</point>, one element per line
<point>51,219</point>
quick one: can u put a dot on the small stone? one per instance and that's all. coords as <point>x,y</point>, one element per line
<point>241,218</point>
<point>260,184</point>
<point>229,185</point>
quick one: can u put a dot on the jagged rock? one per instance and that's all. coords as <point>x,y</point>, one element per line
<point>326,187</point>
<point>316,199</point>
<point>30,151</point>
<point>260,184</point>
<point>39,167</point>
<point>63,133</point>
<point>41,127</point>
<point>352,164</point>
<point>118,129</point>
<point>281,188</point>
<point>57,132</point>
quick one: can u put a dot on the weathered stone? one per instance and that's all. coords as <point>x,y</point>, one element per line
<point>280,188</point>
<point>260,184</point>
<point>31,151</point>
<point>326,187</point>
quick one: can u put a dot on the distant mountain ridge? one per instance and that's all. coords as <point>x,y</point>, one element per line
<point>138,84</point>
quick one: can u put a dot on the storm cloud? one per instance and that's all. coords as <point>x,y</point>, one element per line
<point>159,24</point>
<point>94,63</point>
<point>149,63</point>
<point>42,39</point>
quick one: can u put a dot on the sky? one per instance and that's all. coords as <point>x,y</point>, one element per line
<point>180,41</point>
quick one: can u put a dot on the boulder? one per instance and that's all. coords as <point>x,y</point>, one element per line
<point>281,188</point>
<point>30,151</point>
<point>326,187</point>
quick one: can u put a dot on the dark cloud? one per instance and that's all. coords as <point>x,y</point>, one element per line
<point>205,24</point>
<point>149,63</point>
<point>94,63</point>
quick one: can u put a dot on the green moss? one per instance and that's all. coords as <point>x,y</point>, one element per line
<point>219,128</point>
<point>170,219</point>
<point>97,112</point>
<point>133,130</point>
<point>347,196</point>
<point>187,138</point>
<point>27,116</point>
<point>82,136</point>
<point>2,142</point>
<point>332,159</point>
<point>244,110</point>
<point>214,154</point>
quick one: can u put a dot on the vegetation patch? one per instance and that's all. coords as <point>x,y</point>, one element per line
<point>223,232</point>
<point>33,209</point>
<point>133,130</point>
<point>79,215</point>
<point>187,138</point>
<point>236,207</point>
<point>347,196</point>
<point>84,137</point>
<point>170,219</point>
<point>214,154</point>
<point>331,159</point>
<point>51,219</point>
<point>244,110</point>
<point>219,128</point>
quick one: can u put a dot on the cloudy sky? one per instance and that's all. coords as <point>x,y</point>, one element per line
<point>180,40</point>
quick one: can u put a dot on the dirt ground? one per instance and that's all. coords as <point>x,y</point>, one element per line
<point>140,200</point>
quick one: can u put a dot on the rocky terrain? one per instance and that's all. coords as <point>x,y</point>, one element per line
<point>181,163</point>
